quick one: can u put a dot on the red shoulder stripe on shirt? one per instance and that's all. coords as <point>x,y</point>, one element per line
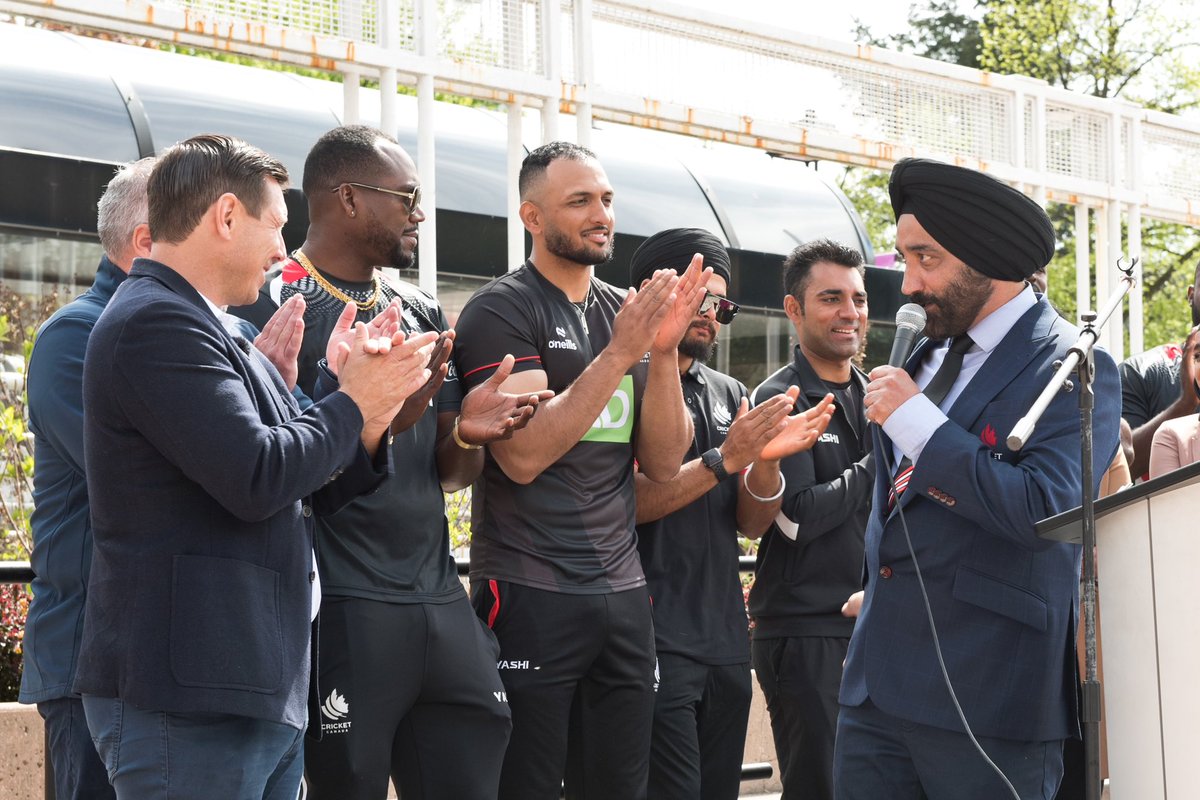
<point>493,366</point>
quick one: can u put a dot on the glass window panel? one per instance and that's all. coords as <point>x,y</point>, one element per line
<point>41,266</point>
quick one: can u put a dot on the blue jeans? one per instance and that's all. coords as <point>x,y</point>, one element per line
<point>79,773</point>
<point>878,755</point>
<point>157,754</point>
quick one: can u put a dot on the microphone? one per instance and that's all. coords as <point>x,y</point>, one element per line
<point>910,321</point>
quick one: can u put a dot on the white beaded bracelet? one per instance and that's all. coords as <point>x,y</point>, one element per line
<point>772,498</point>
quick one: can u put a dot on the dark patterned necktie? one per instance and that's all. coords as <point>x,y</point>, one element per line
<point>936,391</point>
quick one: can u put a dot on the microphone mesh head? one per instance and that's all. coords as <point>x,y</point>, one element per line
<point>911,316</point>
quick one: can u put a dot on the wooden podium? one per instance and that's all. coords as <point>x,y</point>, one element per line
<point>1148,560</point>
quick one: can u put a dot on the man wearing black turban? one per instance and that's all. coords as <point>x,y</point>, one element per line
<point>1003,600</point>
<point>687,539</point>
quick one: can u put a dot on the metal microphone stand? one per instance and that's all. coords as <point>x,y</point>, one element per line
<point>1080,360</point>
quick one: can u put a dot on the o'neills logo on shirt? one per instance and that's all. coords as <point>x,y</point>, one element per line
<point>615,423</point>
<point>563,343</point>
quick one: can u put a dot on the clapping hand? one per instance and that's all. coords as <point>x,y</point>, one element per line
<point>800,431</point>
<point>689,294</point>
<point>752,429</point>
<point>489,414</point>
<point>418,401</point>
<point>383,327</point>
<point>281,338</point>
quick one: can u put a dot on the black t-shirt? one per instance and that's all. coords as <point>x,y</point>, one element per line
<point>393,544</point>
<point>1150,383</point>
<point>571,529</point>
<point>691,556</point>
<point>801,581</point>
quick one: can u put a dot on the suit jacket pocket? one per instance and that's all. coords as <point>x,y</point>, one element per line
<point>225,626</point>
<point>1000,597</point>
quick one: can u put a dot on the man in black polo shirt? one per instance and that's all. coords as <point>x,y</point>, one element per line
<point>554,565</point>
<point>687,538</point>
<point>1159,385</point>
<point>407,672</point>
<point>811,558</point>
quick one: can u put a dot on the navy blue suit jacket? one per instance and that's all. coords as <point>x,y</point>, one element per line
<point>199,467</point>
<point>1004,601</point>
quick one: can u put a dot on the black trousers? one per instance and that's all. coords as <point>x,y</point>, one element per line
<point>579,673</point>
<point>406,689</point>
<point>800,677</point>
<point>700,716</point>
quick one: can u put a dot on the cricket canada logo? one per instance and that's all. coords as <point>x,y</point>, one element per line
<point>336,710</point>
<point>722,417</point>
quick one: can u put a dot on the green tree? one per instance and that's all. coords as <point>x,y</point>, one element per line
<point>867,191</point>
<point>1106,48</point>
<point>940,31</point>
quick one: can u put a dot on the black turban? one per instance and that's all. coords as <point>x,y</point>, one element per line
<point>986,224</point>
<point>673,249</point>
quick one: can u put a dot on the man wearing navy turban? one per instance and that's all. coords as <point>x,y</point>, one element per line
<point>1002,599</point>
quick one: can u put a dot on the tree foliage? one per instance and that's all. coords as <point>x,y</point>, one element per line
<point>940,30</point>
<point>1106,48</point>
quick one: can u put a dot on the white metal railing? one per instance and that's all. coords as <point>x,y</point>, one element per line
<point>675,68</point>
<point>680,69</point>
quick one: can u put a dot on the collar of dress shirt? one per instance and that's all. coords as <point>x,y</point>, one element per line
<point>991,330</point>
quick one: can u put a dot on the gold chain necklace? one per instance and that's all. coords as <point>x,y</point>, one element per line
<point>363,305</point>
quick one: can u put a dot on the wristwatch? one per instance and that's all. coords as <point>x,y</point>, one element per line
<point>716,462</point>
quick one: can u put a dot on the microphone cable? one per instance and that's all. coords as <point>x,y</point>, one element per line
<point>885,460</point>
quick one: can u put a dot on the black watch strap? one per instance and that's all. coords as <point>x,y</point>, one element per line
<point>716,462</point>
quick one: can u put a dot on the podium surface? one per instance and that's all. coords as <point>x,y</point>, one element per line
<point>1147,557</point>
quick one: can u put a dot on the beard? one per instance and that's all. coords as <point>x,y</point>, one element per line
<point>954,310</point>
<point>699,349</point>
<point>580,253</point>
<point>382,239</point>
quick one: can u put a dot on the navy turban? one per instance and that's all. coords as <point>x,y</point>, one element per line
<point>673,249</point>
<point>986,224</point>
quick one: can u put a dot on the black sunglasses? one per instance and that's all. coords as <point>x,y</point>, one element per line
<point>726,308</point>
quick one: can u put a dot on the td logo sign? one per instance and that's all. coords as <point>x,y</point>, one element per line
<point>615,423</point>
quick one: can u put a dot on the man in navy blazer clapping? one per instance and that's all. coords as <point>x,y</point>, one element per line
<point>204,476</point>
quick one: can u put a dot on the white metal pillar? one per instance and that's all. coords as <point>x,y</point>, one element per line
<point>1136,324</point>
<point>1115,330</point>
<point>1018,137</point>
<point>389,38</point>
<point>426,27</point>
<point>389,118</point>
<point>1101,243</point>
<point>516,153</point>
<point>1083,268</point>
<point>552,66</point>
<point>351,79</point>
<point>1039,148</point>
<point>583,72</point>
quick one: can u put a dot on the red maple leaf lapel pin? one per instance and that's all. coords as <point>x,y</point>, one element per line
<point>988,436</point>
